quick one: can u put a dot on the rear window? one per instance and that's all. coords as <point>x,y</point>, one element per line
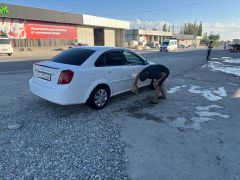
<point>73,56</point>
<point>4,41</point>
<point>165,43</point>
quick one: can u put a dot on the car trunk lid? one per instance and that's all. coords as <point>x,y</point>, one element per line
<point>47,73</point>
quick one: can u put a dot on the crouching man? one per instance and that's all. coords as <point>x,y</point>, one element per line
<point>157,73</point>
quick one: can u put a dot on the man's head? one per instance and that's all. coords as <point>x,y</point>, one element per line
<point>211,42</point>
<point>143,75</point>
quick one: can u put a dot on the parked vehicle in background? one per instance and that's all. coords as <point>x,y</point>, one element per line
<point>168,45</point>
<point>181,46</point>
<point>77,44</point>
<point>154,44</point>
<point>227,46</point>
<point>6,46</point>
<point>234,48</point>
<point>87,74</point>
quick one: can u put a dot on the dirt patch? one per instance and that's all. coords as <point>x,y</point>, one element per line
<point>136,110</point>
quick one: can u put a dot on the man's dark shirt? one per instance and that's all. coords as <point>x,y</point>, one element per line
<point>210,46</point>
<point>154,71</point>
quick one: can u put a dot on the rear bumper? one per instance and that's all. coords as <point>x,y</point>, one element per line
<point>163,49</point>
<point>61,95</point>
<point>6,52</point>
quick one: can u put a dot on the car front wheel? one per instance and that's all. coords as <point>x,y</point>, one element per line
<point>99,97</point>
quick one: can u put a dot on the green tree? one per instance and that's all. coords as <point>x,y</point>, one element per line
<point>192,28</point>
<point>200,29</point>
<point>212,37</point>
<point>169,28</point>
<point>165,27</point>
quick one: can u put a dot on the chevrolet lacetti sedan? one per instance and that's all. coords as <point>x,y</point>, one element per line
<point>87,75</point>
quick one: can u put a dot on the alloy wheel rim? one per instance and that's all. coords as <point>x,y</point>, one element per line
<point>100,97</point>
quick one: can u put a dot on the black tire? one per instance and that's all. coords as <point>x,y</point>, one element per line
<point>103,91</point>
<point>9,54</point>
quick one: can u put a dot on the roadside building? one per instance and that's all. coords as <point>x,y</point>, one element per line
<point>187,40</point>
<point>146,36</point>
<point>34,27</point>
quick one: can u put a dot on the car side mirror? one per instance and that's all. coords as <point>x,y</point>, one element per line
<point>146,62</point>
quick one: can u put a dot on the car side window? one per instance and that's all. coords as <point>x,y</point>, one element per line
<point>100,62</point>
<point>133,59</point>
<point>115,58</point>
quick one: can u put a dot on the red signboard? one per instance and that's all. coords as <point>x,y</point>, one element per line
<point>40,30</point>
<point>24,29</point>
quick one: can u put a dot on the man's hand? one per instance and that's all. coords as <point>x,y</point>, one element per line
<point>135,89</point>
<point>162,76</point>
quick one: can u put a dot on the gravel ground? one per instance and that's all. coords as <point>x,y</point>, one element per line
<point>73,142</point>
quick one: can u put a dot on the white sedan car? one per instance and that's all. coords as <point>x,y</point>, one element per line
<point>87,75</point>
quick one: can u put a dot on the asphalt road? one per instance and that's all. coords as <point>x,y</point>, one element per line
<point>193,134</point>
<point>17,67</point>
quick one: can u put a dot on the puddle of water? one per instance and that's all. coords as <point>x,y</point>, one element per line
<point>203,116</point>
<point>228,65</point>
<point>207,108</point>
<point>175,89</point>
<point>216,66</point>
<point>180,122</point>
<point>210,114</point>
<point>198,120</point>
<point>210,94</point>
<point>194,123</point>
<point>216,58</point>
<point>226,57</point>
<point>221,58</point>
<point>233,84</point>
<point>232,61</point>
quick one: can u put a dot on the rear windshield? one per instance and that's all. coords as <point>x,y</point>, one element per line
<point>73,56</point>
<point>4,41</point>
<point>165,43</point>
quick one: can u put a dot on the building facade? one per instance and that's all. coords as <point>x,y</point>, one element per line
<point>146,36</point>
<point>187,40</point>
<point>35,27</point>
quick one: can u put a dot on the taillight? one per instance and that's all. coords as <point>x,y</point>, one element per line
<point>65,77</point>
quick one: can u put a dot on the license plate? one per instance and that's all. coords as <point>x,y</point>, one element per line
<point>43,75</point>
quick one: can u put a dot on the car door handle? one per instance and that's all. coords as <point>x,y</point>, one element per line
<point>109,72</point>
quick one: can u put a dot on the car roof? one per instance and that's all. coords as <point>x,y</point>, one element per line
<point>106,48</point>
<point>97,48</point>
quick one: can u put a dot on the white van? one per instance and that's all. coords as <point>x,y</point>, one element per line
<point>168,45</point>
<point>6,46</point>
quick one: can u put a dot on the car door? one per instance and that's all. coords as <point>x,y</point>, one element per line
<point>115,71</point>
<point>135,65</point>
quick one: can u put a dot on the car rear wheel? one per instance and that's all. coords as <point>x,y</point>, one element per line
<point>9,54</point>
<point>99,97</point>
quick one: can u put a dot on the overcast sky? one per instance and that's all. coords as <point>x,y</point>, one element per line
<point>218,16</point>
